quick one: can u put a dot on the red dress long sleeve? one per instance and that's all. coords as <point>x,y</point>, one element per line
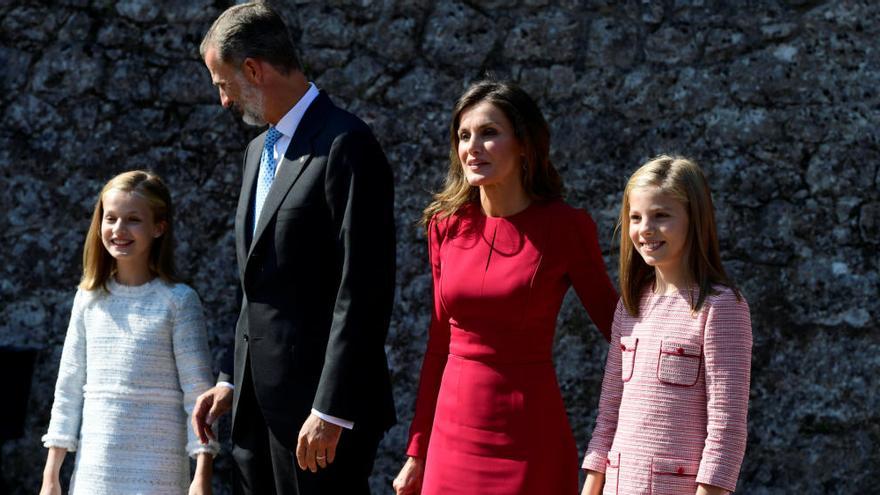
<point>489,415</point>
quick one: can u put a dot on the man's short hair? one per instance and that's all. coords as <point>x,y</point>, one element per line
<point>252,30</point>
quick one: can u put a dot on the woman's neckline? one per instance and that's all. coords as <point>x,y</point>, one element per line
<point>521,212</point>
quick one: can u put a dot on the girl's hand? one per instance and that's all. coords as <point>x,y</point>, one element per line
<point>409,480</point>
<point>595,482</point>
<point>50,486</point>
<point>51,480</point>
<point>201,483</point>
<point>703,489</point>
<point>199,486</point>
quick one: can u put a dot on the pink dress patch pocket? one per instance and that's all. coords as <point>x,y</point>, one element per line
<point>680,363</point>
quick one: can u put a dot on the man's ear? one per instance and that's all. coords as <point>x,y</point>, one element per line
<point>252,70</point>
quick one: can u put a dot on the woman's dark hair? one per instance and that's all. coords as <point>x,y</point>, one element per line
<point>540,178</point>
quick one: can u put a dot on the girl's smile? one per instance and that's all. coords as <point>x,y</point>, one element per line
<point>652,246</point>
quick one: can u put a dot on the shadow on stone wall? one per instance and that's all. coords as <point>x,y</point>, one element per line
<point>777,100</point>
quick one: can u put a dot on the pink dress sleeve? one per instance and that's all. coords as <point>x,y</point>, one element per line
<point>436,354</point>
<point>609,401</point>
<point>728,356</point>
<point>588,275</point>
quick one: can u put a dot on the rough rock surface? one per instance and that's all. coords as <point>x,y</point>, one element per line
<point>778,100</point>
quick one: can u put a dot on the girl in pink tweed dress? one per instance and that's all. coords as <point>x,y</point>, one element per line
<point>672,414</point>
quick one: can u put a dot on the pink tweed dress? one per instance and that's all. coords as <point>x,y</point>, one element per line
<point>675,396</point>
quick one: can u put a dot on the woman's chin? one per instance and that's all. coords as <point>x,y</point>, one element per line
<point>478,180</point>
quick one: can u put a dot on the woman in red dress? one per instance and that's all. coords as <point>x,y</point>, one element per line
<point>504,249</point>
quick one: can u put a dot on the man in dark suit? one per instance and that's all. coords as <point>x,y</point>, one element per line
<point>315,244</point>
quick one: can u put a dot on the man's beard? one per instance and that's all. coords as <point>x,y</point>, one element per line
<point>250,107</point>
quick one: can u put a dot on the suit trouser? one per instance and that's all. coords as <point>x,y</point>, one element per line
<point>264,466</point>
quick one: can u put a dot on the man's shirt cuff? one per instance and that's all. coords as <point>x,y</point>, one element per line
<point>348,425</point>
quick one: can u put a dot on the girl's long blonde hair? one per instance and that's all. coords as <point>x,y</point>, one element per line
<point>683,180</point>
<point>98,265</point>
<point>540,178</point>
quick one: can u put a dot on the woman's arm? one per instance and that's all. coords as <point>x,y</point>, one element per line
<point>588,275</point>
<point>435,356</point>
<point>409,480</point>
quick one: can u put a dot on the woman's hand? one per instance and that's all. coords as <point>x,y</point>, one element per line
<point>595,482</point>
<point>409,480</point>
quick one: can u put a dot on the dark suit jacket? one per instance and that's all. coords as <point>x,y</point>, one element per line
<point>318,277</point>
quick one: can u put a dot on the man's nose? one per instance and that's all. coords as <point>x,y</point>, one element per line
<point>224,99</point>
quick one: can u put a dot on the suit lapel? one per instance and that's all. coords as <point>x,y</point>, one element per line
<point>245,201</point>
<point>295,159</point>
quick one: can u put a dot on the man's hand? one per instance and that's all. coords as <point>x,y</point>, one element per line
<point>317,443</point>
<point>212,404</point>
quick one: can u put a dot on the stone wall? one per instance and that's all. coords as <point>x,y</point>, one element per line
<point>778,100</point>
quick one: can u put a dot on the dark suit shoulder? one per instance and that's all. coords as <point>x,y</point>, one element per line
<point>338,121</point>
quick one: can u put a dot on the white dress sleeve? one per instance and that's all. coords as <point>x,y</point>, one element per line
<point>67,407</point>
<point>193,360</point>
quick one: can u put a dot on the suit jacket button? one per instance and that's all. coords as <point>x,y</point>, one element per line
<point>680,470</point>
<point>622,347</point>
<point>245,337</point>
<point>680,350</point>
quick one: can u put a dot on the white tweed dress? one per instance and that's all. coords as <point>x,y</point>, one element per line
<point>133,363</point>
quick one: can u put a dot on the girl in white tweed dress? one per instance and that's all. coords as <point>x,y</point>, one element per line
<point>135,356</point>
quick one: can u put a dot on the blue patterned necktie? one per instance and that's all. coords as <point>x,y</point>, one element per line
<point>267,171</point>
